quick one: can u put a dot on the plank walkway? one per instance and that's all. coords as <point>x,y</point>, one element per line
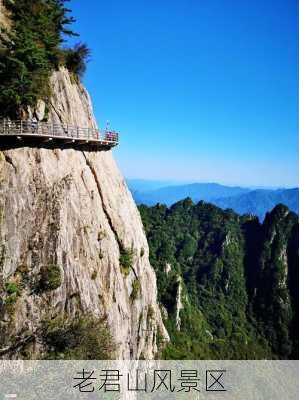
<point>44,133</point>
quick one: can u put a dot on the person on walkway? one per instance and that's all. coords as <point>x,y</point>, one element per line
<point>34,125</point>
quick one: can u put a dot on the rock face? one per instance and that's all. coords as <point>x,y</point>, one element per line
<point>4,20</point>
<point>179,304</point>
<point>72,209</point>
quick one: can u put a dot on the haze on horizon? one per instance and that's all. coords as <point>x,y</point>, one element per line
<point>199,91</point>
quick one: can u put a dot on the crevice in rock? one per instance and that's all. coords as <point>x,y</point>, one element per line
<point>119,242</point>
<point>135,273</point>
<point>92,170</point>
<point>56,112</point>
<point>9,161</point>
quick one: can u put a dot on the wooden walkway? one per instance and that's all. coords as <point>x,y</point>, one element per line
<point>22,133</point>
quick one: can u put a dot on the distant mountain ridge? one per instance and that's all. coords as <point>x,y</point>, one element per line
<point>259,202</point>
<point>196,191</point>
<point>241,199</point>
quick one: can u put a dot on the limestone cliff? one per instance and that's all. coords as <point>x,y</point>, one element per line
<point>72,209</point>
<point>4,20</point>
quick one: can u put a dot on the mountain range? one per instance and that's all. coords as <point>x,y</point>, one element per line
<point>241,199</point>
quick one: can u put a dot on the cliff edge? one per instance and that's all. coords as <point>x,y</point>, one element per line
<point>72,209</point>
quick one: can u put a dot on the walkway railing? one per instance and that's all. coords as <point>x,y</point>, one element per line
<point>59,131</point>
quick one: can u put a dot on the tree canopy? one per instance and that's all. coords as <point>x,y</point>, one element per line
<point>31,49</point>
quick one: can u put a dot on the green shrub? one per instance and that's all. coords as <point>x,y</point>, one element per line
<point>135,289</point>
<point>126,260</point>
<point>150,313</point>
<point>85,338</point>
<point>77,58</point>
<point>13,292</point>
<point>50,277</point>
<point>12,288</point>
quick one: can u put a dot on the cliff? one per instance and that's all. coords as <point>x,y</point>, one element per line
<point>72,209</point>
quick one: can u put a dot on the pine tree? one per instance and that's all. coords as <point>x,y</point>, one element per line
<point>31,50</point>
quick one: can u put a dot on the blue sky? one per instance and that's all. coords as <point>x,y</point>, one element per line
<point>201,90</point>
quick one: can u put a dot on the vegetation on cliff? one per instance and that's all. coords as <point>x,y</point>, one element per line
<point>31,49</point>
<point>240,298</point>
<point>84,338</point>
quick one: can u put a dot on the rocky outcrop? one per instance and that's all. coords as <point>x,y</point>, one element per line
<point>179,304</point>
<point>4,20</point>
<point>72,209</point>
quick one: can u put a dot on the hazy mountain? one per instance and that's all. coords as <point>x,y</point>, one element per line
<point>197,191</point>
<point>259,202</point>
<point>241,200</point>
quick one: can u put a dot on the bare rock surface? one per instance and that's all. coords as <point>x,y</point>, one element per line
<point>72,209</point>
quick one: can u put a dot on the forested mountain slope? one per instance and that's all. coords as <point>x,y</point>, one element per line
<point>228,284</point>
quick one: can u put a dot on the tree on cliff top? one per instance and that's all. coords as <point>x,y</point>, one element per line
<point>31,50</point>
